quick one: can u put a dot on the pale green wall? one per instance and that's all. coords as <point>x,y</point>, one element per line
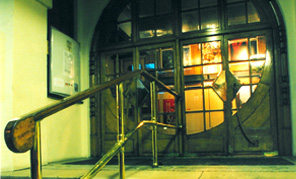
<point>288,9</point>
<point>23,47</point>
<point>6,54</point>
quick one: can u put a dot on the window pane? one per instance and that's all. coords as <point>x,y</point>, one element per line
<point>257,68</point>
<point>258,47</point>
<point>238,49</point>
<point>110,65</point>
<point>211,52</point>
<point>147,59</point>
<point>164,26</point>
<point>126,62</point>
<point>192,54</point>
<point>167,77</point>
<point>166,102</point>
<point>231,1</point>
<point>146,28</point>
<point>244,94</point>
<point>209,18</point>
<point>146,8</point>
<point>241,71</point>
<point>167,58</point>
<point>212,100</point>
<point>206,3</point>
<point>190,21</point>
<point>252,13</point>
<point>210,73</point>
<point>163,6</point>
<point>194,123</point>
<point>189,4</point>
<point>214,119</point>
<point>236,14</point>
<point>194,100</point>
<point>125,14</point>
<point>124,31</point>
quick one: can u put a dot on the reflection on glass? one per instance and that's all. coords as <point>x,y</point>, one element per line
<point>194,123</point>
<point>110,65</point>
<point>211,69</point>
<point>126,62</point>
<point>146,8</point>
<point>258,47</point>
<point>241,70</point>
<point>211,52</point>
<point>166,105</point>
<point>252,13</point>
<point>238,49</point>
<point>147,59</point>
<point>189,4</point>
<point>192,54</point>
<point>167,58</point>
<point>194,100</point>
<point>124,31</point>
<point>214,119</point>
<point>207,3</point>
<point>163,7</point>
<point>244,94</point>
<point>220,86</point>
<point>146,28</point>
<point>212,100</point>
<point>254,88</point>
<point>125,14</point>
<point>190,21</point>
<point>166,76</point>
<point>193,70</point>
<point>230,1</point>
<point>236,14</point>
<point>163,26</point>
<point>257,68</point>
<point>209,18</point>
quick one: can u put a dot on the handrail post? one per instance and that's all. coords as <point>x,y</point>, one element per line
<point>120,119</point>
<point>36,154</point>
<point>154,119</point>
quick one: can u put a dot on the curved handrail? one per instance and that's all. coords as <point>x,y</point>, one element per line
<point>117,147</point>
<point>22,128</point>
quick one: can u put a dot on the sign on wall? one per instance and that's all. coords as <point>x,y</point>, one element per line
<point>64,69</point>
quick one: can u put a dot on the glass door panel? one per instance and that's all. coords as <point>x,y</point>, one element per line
<point>246,62</point>
<point>202,64</point>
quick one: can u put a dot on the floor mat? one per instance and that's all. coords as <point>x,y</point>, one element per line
<point>193,161</point>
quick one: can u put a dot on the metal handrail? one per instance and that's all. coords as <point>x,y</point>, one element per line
<point>117,147</point>
<point>23,133</point>
<point>46,111</point>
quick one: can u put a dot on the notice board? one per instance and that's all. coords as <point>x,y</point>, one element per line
<point>64,64</point>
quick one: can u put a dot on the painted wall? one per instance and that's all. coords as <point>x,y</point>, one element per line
<point>288,11</point>
<point>23,47</point>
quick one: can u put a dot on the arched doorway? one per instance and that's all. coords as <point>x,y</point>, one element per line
<point>212,52</point>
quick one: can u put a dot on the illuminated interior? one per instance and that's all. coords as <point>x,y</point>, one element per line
<point>203,68</point>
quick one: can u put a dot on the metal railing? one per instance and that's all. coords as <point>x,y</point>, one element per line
<point>23,133</point>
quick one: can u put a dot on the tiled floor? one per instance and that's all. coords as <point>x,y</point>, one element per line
<point>59,170</point>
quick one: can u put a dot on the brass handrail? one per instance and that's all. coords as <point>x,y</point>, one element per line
<point>23,133</point>
<point>46,111</point>
<point>117,146</point>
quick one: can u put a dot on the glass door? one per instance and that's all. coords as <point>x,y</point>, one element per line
<point>204,107</point>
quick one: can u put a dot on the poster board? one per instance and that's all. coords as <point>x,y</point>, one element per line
<point>64,64</point>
